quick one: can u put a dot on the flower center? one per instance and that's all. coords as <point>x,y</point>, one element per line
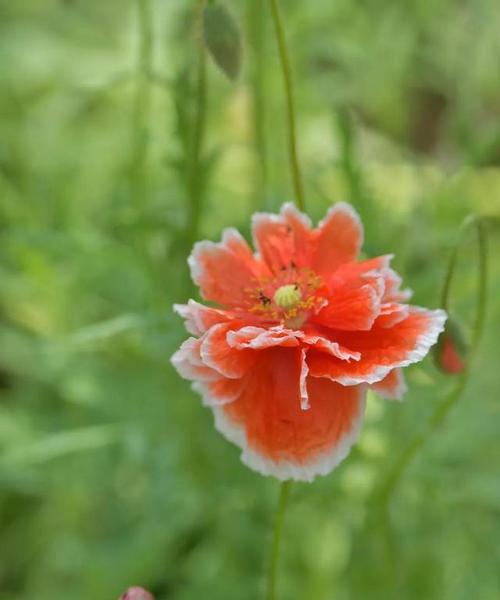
<point>287,296</point>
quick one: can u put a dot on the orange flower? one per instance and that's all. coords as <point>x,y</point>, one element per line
<point>301,331</point>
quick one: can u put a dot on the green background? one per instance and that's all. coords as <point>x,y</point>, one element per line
<point>111,472</point>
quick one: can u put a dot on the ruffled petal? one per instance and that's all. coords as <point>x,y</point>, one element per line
<point>198,318</point>
<point>392,386</point>
<point>392,313</point>
<point>187,361</point>
<point>350,273</point>
<point>381,349</point>
<point>317,338</point>
<point>339,239</point>
<point>226,360</point>
<point>258,338</point>
<point>224,271</point>
<point>276,435</point>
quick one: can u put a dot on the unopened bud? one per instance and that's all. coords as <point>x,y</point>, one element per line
<point>451,350</point>
<point>136,593</point>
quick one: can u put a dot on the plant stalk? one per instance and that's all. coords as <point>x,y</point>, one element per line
<point>276,543</point>
<point>395,474</point>
<point>290,105</point>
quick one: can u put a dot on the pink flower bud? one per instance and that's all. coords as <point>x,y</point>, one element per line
<point>450,354</point>
<point>136,593</point>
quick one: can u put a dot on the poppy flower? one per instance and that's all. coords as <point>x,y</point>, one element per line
<point>299,331</point>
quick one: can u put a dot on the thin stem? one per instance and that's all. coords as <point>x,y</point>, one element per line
<point>195,173</point>
<point>276,544</point>
<point>288,81</point>
<point>395,474</point>
<point>200,106</point>
<point>442,410</point>
<point>257,35</point>
<point>482,288</point>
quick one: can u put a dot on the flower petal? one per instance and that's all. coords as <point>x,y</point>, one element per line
<point>285,240</point>
<point>218,392</point>
<point>304,372</point>
<point>317,337</point>
<point>351,309</point>
<point>187,361</point>
<point>339,239</point>
<point>392,313</point>
<point>226,360</point>
<point>303,235</point>
<point>198,318</point>
<point>258,338</point>
<point>381,349</point>
<point>223,271</point>
<point>279,438</point>
<point>392,386</point>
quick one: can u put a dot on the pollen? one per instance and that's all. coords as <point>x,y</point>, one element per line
<point>287,296</point>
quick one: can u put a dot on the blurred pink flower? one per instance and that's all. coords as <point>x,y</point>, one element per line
<point>136,593</point>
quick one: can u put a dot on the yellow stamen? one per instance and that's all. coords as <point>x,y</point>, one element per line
<point>287,296</point>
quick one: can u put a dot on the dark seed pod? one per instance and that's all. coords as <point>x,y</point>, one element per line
<point>222,38</point>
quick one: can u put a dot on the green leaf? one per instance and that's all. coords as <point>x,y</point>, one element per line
<point>222,39</point>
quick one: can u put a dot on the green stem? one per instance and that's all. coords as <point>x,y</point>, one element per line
<point>291,119</point>
<point>276,544</point>
<point>257,36</point>
<point>142,101</point>
<point>195,181</point>
<point>442,410</point>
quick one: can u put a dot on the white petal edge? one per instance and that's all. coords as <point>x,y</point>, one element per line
<point>206,246</point>
<point>347,209</point>
<point>209,399</point>
<point>424,343</point>
<point>332,348</point>
<point>227,371</point>
<point>289,207</point>
<point>192,313</point>
<point>304,371</point>
<point>262,338</point>
<point>284,470</point>
<point>189,367</point>
<point>190,321</point>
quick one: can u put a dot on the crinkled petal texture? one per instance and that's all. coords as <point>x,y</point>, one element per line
<point>278,437</point>
<point>301,330</point>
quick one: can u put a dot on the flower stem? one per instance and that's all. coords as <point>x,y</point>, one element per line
<point>195,171</point>
<point>257,35</point>
<point>288,81</point>
<point>443,409</point>
<point>276,544</point>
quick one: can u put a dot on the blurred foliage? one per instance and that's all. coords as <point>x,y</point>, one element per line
<point>111,472</point>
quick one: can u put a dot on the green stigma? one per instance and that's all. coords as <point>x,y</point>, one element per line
<point>287,296</point>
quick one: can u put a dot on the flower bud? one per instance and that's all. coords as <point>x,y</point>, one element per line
<point>136,593</point>
<point>451,351</point>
